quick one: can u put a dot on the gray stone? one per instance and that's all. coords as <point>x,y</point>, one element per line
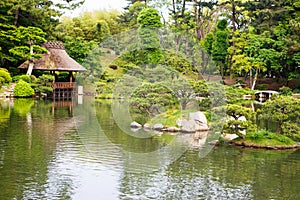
<point>171,129</point>
<point>198,117</point>
<point>214,142</point>
<point>179,122</point>
<point>158,127</point>
<point>147,126</point>
<point>135,125</point>
<point>188,126</point>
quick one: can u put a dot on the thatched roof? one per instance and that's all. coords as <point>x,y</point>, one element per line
<point>56,59</point>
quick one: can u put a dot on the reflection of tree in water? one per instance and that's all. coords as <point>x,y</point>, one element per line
<point>226,173</point>
<point>28,144</point>
<point>117,136</point>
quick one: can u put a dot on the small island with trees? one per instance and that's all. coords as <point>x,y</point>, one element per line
<point>196,70</point>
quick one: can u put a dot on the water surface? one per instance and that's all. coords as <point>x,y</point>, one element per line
<point>62,150</point>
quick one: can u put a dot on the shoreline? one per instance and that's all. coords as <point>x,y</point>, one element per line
<point>257,146</point>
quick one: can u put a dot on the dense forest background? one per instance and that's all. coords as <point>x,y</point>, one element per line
<point>245,38</point>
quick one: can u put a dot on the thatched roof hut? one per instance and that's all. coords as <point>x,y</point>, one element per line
<point>56,59</point>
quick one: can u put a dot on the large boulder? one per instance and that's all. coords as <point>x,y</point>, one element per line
<point>188,126</point>
<point>198,117</point>
<point>197,122</point>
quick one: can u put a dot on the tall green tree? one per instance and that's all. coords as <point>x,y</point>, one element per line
<point>220,46</point>
<point>149,20</point>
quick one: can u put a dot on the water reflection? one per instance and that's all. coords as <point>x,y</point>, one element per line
<point>81,153</point>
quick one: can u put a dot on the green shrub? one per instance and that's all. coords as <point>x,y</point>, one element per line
<point>43,84</point>
<point>238,81</point>
<point>285,91</point>
<point>61,77</point>
<point>5,76</point>
<point>291,129</point>
<point>25,78</point>
<point>16,78</point>
<point>23,89</point>
<point>262,86</point>
<point>296,91</point>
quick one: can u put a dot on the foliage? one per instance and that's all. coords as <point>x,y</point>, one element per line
<point>149,100</point>
<point>43,84</point>
<point>177,62</point>
<point>25,78</point>
<point>4,76</point>
<point>23,89</point>
<point>262,86</point>
<point>283,110</point>
<point>128,20</point>
<point>285,91</point>
<point>234,124</point>
<point>220,45</point>
<point>235,94</point>
<point>150,18</point>
<point>291,130</point>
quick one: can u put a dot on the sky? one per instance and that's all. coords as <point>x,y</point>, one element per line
<point>91,5</point>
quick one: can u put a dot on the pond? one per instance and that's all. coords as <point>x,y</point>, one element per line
<point>86,150</point>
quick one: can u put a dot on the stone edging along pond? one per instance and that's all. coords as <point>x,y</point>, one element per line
<point>276,147</point>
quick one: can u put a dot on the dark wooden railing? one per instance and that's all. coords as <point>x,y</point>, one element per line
<point>63,85</point>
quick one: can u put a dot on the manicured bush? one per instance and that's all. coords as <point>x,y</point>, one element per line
<point>285,91</point>
<point>23,89</point>
<point>291,129</point>
<point>4,76</point>
<point>262,86</point>
<point>43,84</point>
<point>25,78</point>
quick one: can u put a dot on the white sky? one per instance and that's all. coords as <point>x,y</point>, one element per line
<point>90,5</point>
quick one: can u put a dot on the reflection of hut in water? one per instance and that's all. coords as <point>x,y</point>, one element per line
<point>57,60</point>
<point>63,107</point>
<point>264,95</point>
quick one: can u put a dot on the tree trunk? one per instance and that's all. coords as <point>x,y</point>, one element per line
<point>278,131</point>
<point>233,21</point>
<point>196,13</point>
<point>30,67</point>
<point>16,17</point>
<point>178,41</point>
<point>255,78</point>
<point>250,78</point>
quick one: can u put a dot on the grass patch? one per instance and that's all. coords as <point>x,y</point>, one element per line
<point>264,138</point>
<point>169,118</point>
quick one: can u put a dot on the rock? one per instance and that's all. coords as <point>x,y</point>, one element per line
<point>230,137</point>
<point>179,122</point>
<point>158,127</point>
<point>198,117</point>
<point>201,127</point>
<point>171,129</point>
<point>147,126</point>
<point>135,125</point>
<point>214,142</point>
<point>188,126</point>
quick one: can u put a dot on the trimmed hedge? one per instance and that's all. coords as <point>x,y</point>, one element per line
<point>23,89</point>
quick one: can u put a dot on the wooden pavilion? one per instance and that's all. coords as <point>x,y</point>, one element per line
<point>56,59</point>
